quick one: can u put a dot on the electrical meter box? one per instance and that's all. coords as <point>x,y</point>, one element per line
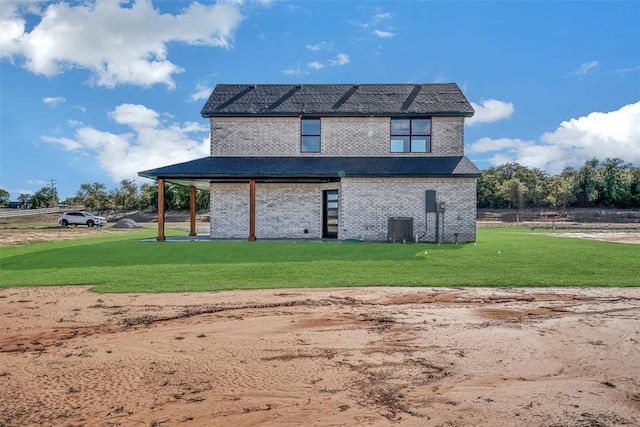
<point>430,197</point>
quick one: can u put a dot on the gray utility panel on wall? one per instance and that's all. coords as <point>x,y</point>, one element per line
<point>430,197</point>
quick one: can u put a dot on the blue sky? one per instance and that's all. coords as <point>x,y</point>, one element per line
<point>95,91</point>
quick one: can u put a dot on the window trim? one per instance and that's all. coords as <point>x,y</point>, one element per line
<point>408,138</point>
<point>303,135</point>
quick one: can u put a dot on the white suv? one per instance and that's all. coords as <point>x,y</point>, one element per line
<point>81,218</point>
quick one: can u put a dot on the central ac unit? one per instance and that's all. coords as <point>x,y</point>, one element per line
<point>400,230</point>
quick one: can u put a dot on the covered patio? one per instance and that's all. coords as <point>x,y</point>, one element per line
<point>201,173</point>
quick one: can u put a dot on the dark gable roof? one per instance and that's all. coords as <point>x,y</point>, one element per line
<point>437,99</point>
<point>329,168</point>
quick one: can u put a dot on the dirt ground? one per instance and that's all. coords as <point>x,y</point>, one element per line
<point>618,236</point>
<point>332,357</point>
<point>364,356</point>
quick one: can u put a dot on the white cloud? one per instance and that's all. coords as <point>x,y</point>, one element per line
<point>323,45</point>
<point>489,111</point>
<point>13,26</point>
<point>359,24</point>
<point>53,102</point>
<point>600,135</point>
<point>202,92</point>
<point>485,144</point>
<point>614,134</point>
<point>383,34</point>
<point>375,20</point>
<point>340,59</point>
<point>627,70</point>
<point>585,68</point>
<point>293,71</point>
<point>67,143</point>
<point>135,115</point>
<point>315,65</point>
<point>381,16</point>
<point>37,181</point>
<point>117,43</point>
<point>23,191</point>
<point>150,142</point>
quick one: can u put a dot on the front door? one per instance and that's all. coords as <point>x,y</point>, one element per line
<point>330,214</point>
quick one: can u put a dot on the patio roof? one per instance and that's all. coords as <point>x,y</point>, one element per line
<point>201,171</point>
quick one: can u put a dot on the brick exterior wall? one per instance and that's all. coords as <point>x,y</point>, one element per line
<point>447,136</point>
<point>229,207</point>
<point>259,136</point>
<point>287,210</point>
<point>339,136</point>
<point>283,211</point>
<point>366,205</point>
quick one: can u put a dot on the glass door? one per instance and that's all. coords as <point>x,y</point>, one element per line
<point>330,216</point>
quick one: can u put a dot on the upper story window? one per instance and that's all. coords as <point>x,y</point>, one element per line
<point>410,135</point>
<point>310,135</point>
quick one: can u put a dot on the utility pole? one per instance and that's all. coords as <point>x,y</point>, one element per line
<point>54,200</point>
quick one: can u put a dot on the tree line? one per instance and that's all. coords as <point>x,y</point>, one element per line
<point>611,183</point>
<point>127,197</point>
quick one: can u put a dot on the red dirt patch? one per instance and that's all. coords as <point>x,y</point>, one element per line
<point>374,356</point>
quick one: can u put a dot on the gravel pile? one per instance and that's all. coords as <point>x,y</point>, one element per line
<point>126,223</point>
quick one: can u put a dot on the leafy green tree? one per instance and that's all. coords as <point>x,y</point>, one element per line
<point>537,183</point>
<point>203,199</point>
<point>611,183</point>
<point>512,185</point>
<point>45,197</point>
<point>587,184</point>
<point>561,188</point>
<point>513,193</point>
<point>148,196</point>
<point>4,197</point>
<point>23,200</point>
<point>634,187</point>
<point>93,196</point>
<point>616,187</point>
<point>177,197</point>
<point>126,197</point>
<point>73,201</point>
<point>488,184</point>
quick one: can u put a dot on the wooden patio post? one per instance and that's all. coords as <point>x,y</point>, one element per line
<point>192,210</point>
<point>252,209</point>
<point>160,237</point>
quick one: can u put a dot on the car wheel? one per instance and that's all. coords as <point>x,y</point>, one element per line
<point>64,223</point>
<point>90,223</point>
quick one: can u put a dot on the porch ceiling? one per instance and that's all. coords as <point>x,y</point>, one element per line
<point>200,184</point>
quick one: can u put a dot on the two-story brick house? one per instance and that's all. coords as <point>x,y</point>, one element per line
<point>373,162</point>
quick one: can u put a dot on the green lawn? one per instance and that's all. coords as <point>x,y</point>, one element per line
<point>511,256</point>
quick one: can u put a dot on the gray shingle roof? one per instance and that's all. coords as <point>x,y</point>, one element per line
<point>437,99</point>
<point>330,168</point>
